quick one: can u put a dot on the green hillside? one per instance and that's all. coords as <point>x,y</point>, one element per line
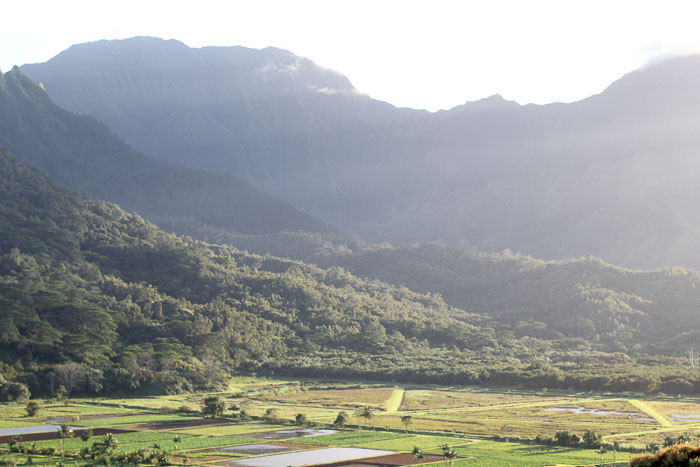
<point>136,308</point>
<point>628,310</point>
<point>85,282</point>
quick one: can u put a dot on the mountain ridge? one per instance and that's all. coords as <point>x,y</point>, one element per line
<point>85,283</point>
<point>85,155</point>
<point>611,176</point>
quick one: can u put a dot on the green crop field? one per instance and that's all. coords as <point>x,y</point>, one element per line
<point>476,422</point>
<point>485,453</point>
<point>407,443</point>
<point>350,438</point>
<point>229,430</point>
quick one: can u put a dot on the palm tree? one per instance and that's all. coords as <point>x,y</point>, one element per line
<point>669,441</point>
<point>365,412</point>
<point>448,453</point>
<point>64,431</point>
<point>111,442</point>
<point>406,420</point>
<point>417,452</point>
<point>85,435</point>
<point>602,452</point>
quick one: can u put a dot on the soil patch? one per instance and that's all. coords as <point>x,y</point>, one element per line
<point>86,417</point>
<point>54,435</point>
<point>393,460</point>
<point>177,424</point>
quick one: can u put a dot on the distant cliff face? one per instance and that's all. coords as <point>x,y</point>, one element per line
<point>614,175</point>
<point>83,154</point>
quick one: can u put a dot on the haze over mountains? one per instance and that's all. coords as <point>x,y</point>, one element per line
<point>615,175</point>
<point>84,281</point>
<point>83,154</point>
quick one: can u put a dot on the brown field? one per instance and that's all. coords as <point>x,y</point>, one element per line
<point>373,396</point>
<point>425,400</point>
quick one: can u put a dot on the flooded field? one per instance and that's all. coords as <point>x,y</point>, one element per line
<point>584,411</point>
<point>256,449</point>
<point>315,456</point>
<point>26,430</point>
<point>686,418</point>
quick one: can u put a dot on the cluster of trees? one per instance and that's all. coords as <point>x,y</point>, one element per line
<point>95,300</point>
<point>612,307</point>
<point>101,452</point>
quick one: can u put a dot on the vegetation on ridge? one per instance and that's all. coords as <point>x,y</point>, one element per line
<point>84,283</point>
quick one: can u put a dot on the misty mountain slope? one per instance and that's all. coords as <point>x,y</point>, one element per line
<point>278,121</point>
<point>83,154</point>
<point>615,175</point>
<point>85,282</point>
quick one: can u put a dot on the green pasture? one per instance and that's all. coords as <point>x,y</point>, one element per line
<point>489,453</point>
<point>407,443</point>
<point>463,418</point>
<point>350,438</point>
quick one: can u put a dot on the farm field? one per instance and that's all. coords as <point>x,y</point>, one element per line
<point>485,427</point>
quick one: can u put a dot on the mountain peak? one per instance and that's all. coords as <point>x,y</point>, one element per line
<point>229,67</point>
<point>671,78</point>
<point>493,103</point>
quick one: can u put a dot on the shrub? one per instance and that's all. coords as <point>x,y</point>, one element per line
<point>14,392</point>
<point>33,408</point>
<point>678,455</point>
<point>300,419</point>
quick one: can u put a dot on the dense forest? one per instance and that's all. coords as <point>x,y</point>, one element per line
<point>124,305</point>
<point>623,309</point>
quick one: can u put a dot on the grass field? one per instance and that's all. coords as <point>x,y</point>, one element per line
<point>467,419</point>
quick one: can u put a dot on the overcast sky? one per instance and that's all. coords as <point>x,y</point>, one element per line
<point>422,54</point>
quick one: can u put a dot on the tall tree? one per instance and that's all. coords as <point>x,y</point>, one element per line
<point>64,431</point>
<point>70,376</point>
<point>213,406</point>
<point>365,412</point>
<point>406,420</point>
<point>85,435</point>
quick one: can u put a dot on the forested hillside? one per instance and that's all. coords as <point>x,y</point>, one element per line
<point>613,176</point>
<point>83,154</point>
<point>83,282</point>
<point>650,310</point>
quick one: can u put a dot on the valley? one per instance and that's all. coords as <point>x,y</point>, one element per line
<point>226,256</point>
<point>485,426</point>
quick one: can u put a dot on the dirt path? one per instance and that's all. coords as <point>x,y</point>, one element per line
<point>652,412</point>
<point>395,401</point>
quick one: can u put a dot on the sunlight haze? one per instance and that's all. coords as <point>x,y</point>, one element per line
<point>432,55</point>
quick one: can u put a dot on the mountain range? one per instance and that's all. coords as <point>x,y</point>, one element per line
<point>83,281</point>
<point>614,175</point>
